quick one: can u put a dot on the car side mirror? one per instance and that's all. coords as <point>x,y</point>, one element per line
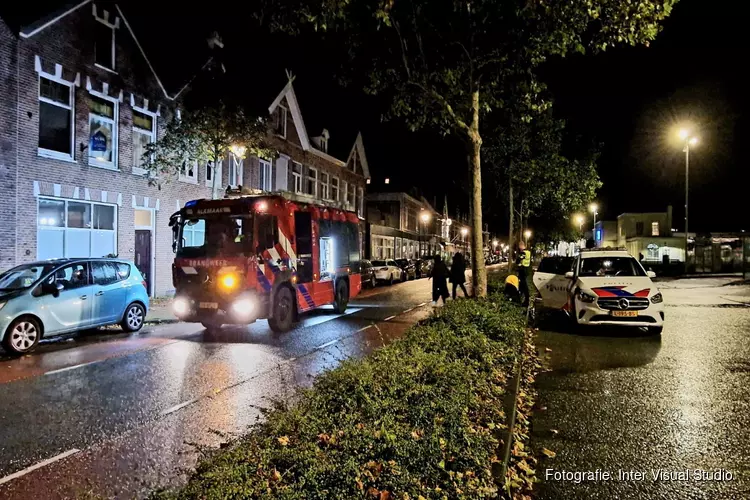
<point>651,274</point>
<point>53,289</point>
<point>569,275</point>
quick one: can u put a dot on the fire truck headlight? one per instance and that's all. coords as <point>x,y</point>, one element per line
<point>229,281</point>
<point>244,306</point>
<point>181,306</point>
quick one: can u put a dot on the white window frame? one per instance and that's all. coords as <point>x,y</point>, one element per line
<point>93,162</point>
<point>49,153</point>
<point>338,187</point>
<point>113,52</point>
<point>265,175</point>
<point>218,171</point>
<point>655,226</point>
<point>65,228</point>
<point>190,179</point>
<point>325,187</point>
<point>344,193</point>
<point>361,202</point>
<point>284,118</point>
<point>315,183</point>
<point>151,133</point>
<point>297,177</point>
<point>236,167</point>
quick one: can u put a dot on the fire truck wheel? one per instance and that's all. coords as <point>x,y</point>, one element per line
<point>283,311</point>
<point>341,299</point>
<point>211,326</point>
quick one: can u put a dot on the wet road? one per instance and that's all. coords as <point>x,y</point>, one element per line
<point>115,415</point>
<point>614,401</point>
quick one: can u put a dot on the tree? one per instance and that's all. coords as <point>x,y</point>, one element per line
<point>207,134</point>
<point>447,64</point>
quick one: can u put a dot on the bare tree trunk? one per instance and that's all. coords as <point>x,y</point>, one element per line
<point>478,271</point>
<point>511,239</point>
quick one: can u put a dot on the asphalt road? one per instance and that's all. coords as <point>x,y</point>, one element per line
<point>115,415</point>
<point>616,400</point>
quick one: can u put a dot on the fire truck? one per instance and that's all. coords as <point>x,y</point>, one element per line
<point>255,255</point>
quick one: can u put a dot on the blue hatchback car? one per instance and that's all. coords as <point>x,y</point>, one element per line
<point>52,297</point>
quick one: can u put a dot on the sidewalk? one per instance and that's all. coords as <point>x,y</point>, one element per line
<point>160,311</point>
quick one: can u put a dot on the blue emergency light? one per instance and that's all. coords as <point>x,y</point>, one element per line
<point>191,203</point>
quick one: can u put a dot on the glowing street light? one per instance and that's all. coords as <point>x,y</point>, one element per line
<point>425,217</point>
<point>579,220</point>
<point>464,231</point>
<point>238,151</point>
<point>494,243</point>
<point>689,139</point>
<point>527,235</point>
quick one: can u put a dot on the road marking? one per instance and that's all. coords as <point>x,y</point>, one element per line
<point>422,304</point>
<point>389,318</point>
<point>178,407</point>
<point>60,370</point>
<point>408,310</point>
<point>326,344</point>
<point>364,328</point>
<point>39,465</point>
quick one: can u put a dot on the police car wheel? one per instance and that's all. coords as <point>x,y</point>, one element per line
<point>341,298</point>
<point>283,311</point>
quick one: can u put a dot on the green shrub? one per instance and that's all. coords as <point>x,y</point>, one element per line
<point>415,418</point>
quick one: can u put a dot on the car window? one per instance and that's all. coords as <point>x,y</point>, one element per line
<point>103,273</point>
<point>556,265</point>
<point>390,263</point>
<point>379,263</point>
<point>610,266</point>
<point>70,277</point>
<point>123,270</point>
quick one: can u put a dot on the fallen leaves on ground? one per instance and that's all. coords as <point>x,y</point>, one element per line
<point>549,453</point>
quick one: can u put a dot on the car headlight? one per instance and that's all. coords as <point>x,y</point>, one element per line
<point>244,306</point>
<point>657,298</point>
<point>181,306</point>
<point>586,297</point>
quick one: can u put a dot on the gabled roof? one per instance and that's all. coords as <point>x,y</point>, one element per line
<point>291,99</point>
<point>359,149</point>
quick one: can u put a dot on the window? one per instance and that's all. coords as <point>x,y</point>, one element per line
<point>610,266</point>
<point>324,186</point>
<point>72,228</point>
<point>361,204</point>
<point>123,271</point>
<point>144,133</point>
<point>639,228</point>
<point>55,118</point>
<point>280,125</point>
<point>268,232</point>
<point>103,273</point>
<point>194,234</point>
<point>235,170</point>
<point>312,182</point>
<point>344,193</point>
<point>654,229</point>
<point>102,132</point>
<point>189,172</point>
<point>210,172</point>
<point>72,277</point>
<point>335,188</point>
<point>324,144</point>
<point>297,175</point>
<point>266,172</point>
<point>352,197</point>
<point>104,45</point>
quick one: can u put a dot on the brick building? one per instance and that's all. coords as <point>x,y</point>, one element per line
<point>79,101</point>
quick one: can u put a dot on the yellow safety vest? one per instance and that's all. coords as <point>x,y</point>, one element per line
<point>526,261</point>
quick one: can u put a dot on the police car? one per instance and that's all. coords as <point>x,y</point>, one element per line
<point>602,287</point>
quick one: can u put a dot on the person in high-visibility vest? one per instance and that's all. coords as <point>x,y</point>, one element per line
<point>523,261</point>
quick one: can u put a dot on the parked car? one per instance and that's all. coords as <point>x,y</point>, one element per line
<point>409,269</point>
<point>603,287</point>
<point>368,273</point>
<point>387,271</point>
<point>424,268</point>
<point>53,297</point>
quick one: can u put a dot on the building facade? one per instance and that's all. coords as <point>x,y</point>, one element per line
<point>80,102</point>
<point>650,235</point>
<point>605,233</point>
<point>400,227</point>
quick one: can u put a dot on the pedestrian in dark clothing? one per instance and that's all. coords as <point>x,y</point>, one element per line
<point>439,276</point>
<point>458,274</point>
<point>523,261</point>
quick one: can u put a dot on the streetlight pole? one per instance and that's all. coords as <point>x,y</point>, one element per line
<point>687,180</point>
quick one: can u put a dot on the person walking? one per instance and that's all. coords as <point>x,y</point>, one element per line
<point>439,276</point>
<point>523,261</point>
<point>458,274</point>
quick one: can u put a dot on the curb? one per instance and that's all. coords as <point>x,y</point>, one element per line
<point>510,406</point>
<point>161,321</point>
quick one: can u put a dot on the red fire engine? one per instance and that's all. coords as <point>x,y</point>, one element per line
<point>252,256</point>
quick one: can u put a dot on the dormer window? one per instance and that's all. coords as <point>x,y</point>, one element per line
<point>280,125</point>
<point>104,39</point>
<point>324,144</point>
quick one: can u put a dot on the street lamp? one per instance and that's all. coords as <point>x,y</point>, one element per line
<point>579,220</point>
<point>527,235</point>
<point>238,151</point>
<point>593,208</point>
<point>464,231</point>
<point>689,140</point>
<point>425,218</point>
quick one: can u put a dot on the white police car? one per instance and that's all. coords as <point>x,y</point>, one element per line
<point>602,287</point>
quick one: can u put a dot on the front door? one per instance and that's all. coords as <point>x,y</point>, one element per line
<point>143,254</point>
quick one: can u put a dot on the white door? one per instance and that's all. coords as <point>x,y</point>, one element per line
<point>551,282</point>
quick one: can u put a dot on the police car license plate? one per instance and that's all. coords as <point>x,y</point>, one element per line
<point>624,314</point>
<point>209,305</point>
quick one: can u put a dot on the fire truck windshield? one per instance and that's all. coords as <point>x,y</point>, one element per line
<point>216,235</point>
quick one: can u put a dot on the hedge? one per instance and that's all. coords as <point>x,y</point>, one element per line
<point>417,419</point>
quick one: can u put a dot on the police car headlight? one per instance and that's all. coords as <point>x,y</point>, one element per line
<point>657,298</point>
<point>586,297</point>
<point>243,306</point>
<point>181,306</point>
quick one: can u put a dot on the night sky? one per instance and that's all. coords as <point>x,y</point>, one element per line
<point>628,99</point>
